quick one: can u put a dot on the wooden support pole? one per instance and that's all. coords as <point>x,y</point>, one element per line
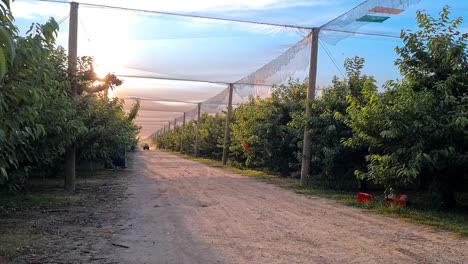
<point>197,134</point>
<point>70,153</point>
<point>307,147</point>
<point>227,128</point>
<point>182,135</point>
<point>169,126</point>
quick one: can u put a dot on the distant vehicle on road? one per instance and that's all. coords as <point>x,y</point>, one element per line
<point>146,146</point>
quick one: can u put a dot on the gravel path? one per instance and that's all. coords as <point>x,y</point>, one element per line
<point>180,211</point>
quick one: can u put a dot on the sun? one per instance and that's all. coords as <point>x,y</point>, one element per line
<point>101,71</point>
<point>105,35</point>
<point>109,60</point>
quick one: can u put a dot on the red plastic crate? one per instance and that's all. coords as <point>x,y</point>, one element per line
<point>364,197</point>
<point>402,200</point>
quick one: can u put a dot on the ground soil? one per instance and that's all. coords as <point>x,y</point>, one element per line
<point>171,210</point>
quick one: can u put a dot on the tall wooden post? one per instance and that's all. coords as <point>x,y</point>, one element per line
<point>169,126</point>
<point>182,135</point>
<point>227,129</point>
<point>197,134</point>
<point>306,147</point>
<point>70,153</point>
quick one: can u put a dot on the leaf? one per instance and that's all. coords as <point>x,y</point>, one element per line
<point>4,172</point>
<point>7,3</point>
<point>392,133</point>
<point>3,68</point>
<point>6,39</point>
<point>427,157</point>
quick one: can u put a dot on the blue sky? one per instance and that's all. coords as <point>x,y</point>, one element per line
<point>190,48</point>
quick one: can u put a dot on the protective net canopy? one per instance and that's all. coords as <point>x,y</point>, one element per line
<point>175,55</point>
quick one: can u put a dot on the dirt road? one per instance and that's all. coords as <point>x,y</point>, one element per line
<point>181,211</point>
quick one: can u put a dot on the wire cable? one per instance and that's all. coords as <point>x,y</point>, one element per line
<point>361,33</point>
<point>190,80</point>
<point>297,27</point>
<point>170,101</point>
<point>182,15</point>
<point>84,29</point>
<point>63,19</point>
<point>327,51</point>
<point>159,100</point>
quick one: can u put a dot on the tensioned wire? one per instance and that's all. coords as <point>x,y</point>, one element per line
<point>226,19</point>
<point>168,100</point>
<point>189,80</point>
<point>327,51</point>
<point>223,19</point>
<point>181,15</point>
<point>63,19</point>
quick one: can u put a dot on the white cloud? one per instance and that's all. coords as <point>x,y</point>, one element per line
<point>32,10</point>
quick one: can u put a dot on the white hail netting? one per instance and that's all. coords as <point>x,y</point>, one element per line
<point>350,22</point>
<point>172,63</point>
<point>293,63</point>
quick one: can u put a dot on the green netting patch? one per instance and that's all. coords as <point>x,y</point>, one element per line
<point>375,19</point>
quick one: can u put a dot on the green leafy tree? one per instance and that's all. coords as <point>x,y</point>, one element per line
<point>27,87</point>
<point>108,129</point>
<point>8,32</point>
<point>416,131</point>
<point>188,136</point>
<point>263,125</point>
<point>38,119</point>
<point>133,113</point>
<point>333,163</point>
<point>212,135</point>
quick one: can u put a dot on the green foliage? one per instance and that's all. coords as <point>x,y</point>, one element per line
<point>38,118</point>
<point>7,32</point>
<point>416,131</point>
<point>89,82</point>
<point>133,113</point>
<point>211,137</point>
<point>26,90</point>
<point>264,126</point>
<point>108,129</point>
<point>188,135</point>
<point>412,135</point>
<point>333,164</point>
